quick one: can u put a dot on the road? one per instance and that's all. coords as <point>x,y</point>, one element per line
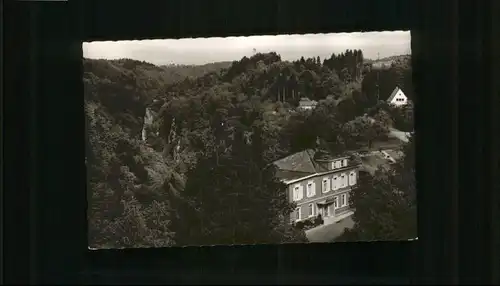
<point>327,233</point>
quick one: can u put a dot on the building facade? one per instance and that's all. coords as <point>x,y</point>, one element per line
<point>318,185</point>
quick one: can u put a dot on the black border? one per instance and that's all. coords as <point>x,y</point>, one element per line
<point>46,183</point>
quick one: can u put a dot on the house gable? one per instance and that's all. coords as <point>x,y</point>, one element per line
<point>397,97</point>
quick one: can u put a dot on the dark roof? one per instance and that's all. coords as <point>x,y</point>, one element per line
<point>290,175</point>
<point>303,164</point>
<point>298,162</point>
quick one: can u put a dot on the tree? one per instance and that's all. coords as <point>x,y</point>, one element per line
<point>386,203</point>
<point>127,205</point>
<point>330,83</point>
<point>403,117</point>
<point>347,109</point>
<point>384,118</point>
<point>361,132</point>
<point>233,197</point>
<point>299,133</point>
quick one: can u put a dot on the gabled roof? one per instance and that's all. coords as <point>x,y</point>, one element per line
<point>393,94</point>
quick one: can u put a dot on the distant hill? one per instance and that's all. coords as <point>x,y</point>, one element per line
<point>388,61</point>
<point>180,72</point>
<point>168,74</point>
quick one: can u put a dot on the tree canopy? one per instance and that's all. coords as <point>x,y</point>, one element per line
<point>202,175</point>
<point>386,202</point>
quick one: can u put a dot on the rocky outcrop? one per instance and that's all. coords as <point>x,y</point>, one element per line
<point>147,123</point>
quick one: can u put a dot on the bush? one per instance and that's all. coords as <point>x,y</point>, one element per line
<point>309,223</point>
<point>318,220</point>
<point>299,225</point>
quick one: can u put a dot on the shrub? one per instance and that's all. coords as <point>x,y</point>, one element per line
<point>318,220</point>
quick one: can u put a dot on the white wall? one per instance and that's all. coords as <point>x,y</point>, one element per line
<point>399,95</point>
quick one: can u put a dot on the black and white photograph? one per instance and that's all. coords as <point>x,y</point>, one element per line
<point>250,140</point>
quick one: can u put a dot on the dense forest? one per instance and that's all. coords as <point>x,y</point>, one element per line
<point>202,174</point>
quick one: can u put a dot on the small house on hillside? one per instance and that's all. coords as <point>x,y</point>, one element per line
<point>397,97</point>
<point>307,104</point>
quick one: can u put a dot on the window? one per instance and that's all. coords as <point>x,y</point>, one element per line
<point>343,200</point>
<point>297,193</point>
<point>333,165</point>
<point>352,178</point>
<point>343,180</point>
<point>335,182</point>
<point>337,164</point>
<point>297,214</point>
<point>335,203</point>
<point>326,185</point>
<point>310,189</point>
<point>311,210</point>
<point>344,163</point>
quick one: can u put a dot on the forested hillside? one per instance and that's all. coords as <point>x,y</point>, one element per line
<point>203,175</point>
<point>179,72</point>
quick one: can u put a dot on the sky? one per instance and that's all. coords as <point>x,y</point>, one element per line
<point>199,51</point>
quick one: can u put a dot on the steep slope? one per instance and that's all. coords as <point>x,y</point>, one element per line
<point>194,116</point>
